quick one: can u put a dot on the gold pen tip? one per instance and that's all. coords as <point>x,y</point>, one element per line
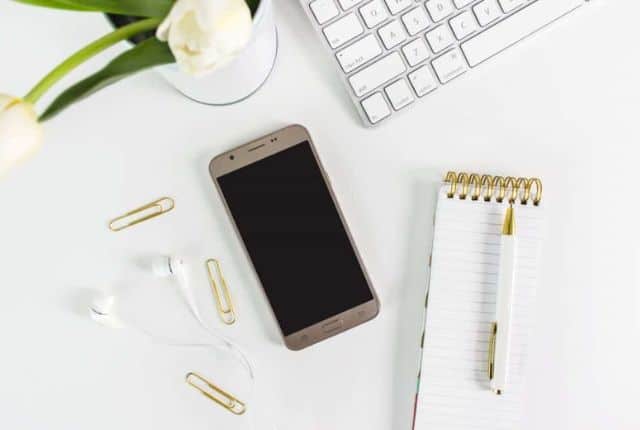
<point>509,224</point>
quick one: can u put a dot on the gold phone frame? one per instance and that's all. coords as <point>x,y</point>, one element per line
<point>255,151</point>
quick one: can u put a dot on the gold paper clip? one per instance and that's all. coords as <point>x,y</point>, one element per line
<point>492,349</point>
<point>218,395</point>
<point>143,213</point>
<point>223,301</point>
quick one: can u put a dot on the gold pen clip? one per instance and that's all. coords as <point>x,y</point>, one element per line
<point>492,349</point>
<point>141,214</point>
<point>218,395</point>
<point>223,301</point>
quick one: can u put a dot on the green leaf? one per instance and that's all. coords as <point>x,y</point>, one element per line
<point>56,4</point>
<point>147,54</point>
<point>145,8</point>
<point>253,6</point>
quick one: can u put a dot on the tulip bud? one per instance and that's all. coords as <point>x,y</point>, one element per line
<point>20,132</point>
<point>204,35</point>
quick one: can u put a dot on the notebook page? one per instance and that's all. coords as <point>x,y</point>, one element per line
<point>454,386</point>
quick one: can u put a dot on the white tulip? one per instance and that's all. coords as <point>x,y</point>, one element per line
<point>20,132</point>
<point>206,34</point>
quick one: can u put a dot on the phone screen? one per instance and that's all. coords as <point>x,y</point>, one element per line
<point>295,238</point>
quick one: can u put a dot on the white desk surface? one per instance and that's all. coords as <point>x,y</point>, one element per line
<point>563,105</point>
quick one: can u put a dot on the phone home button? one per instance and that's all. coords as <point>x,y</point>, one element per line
<point>332,326</point>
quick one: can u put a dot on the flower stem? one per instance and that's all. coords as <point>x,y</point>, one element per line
<point>86,53</point>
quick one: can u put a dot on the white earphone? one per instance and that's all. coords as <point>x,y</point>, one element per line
<point>103,307</point>
<point>167,266</point>
<point>102,310</point>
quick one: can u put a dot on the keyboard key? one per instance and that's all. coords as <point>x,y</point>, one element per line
<point>376,74</point>
<point>509,5</point>
<point>422,81</point>
<point>439,9</point>
<point>365,49</point>
<point>348,4</point>
<point>399,94</point>
<point>439,39</point>
<point>415,52</point>
<point>397,6</point>
<point>415,20</point>
<point>376,108</point>
<point>463,24</point>
<point>487,12</point>
<point>374,13</point>
<point>343,30</point>
<point>516,27</point>
<point>323,10</point>
<point>392,34</point>
<point>449,65</point>
<point>462,3</point>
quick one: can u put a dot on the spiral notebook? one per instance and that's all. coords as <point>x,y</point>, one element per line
<point>453,388</point>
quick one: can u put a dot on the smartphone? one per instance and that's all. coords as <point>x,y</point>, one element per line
<point>280,202</point>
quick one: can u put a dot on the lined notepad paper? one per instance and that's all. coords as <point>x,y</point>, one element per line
<point>454,386</point>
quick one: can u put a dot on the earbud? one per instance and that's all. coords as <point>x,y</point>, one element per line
<point>178,267</point>
<point>167,266</point>
<point>103,307</point>
<point>103,310</point>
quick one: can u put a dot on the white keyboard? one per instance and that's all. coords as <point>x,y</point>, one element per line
<point>394,52</point>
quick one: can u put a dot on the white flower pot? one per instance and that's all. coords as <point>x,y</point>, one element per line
<point>243,76</point>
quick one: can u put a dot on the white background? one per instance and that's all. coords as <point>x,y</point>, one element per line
<point>563,106</point>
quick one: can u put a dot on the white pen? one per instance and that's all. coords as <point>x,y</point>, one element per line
<point>501,334</point>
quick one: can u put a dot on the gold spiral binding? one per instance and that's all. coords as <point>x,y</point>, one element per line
<point>487,181</point>
<point>538,184</point>
<point>510,184</point>
<point>498,181</point>
<point>475,180</point>
<point>498,188</point>
<point>463,179</point>
<point>526,190</point>
<point>452,179</point>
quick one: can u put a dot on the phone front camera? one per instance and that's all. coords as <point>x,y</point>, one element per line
<point>232,157</point>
